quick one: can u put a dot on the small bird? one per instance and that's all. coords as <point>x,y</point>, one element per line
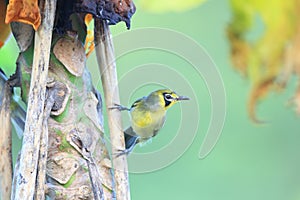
<point>148,115</point>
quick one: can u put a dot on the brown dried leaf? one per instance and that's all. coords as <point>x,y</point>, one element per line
<point>70,52</point>
<point>67,165</point>
<point>62,95</point>
<point>239,52</point>
<point>259,92</point>
<point>113,11</point>
<point>26,11</point>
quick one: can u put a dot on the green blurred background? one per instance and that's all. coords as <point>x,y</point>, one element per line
<point>250,161</point>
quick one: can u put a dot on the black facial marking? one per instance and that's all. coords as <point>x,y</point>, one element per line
<point>168,99</point>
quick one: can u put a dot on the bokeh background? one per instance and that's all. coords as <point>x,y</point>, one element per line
<point>250,161</point>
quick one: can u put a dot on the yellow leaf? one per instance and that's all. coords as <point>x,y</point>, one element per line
<point>264,58</point>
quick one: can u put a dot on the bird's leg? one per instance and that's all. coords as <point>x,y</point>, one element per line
<point>123,152</point>
<point>119,107</point>
<point>128,150</point>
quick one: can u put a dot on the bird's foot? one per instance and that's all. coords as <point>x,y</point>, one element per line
<point>121,152</point>
<point>119,107</point>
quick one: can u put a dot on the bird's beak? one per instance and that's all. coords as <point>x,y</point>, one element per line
<point>180,98</point>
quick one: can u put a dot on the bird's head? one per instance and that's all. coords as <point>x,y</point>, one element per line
<point>167,98</point>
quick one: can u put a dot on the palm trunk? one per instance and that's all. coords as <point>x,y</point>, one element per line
<point>76,145</point>
<point>5,139</point>
<point>63,155</point>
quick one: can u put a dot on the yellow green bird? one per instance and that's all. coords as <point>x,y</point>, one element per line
<point>148,115</point>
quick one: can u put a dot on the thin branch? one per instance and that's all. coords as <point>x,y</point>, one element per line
<point>5,139</point>
<point>26,175</point>
<point>106,61</point>
<point>41,173</point>
<point>95,179</point>
<point>14,183</point>
<point>94,174</point>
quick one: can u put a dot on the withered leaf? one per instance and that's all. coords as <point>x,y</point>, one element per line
<point>257,51</point>
<point>26,11</point>
<point>113,11</point>
<point>239,52</point>
<point>259,92</point>
<point>70,53</point>
<point>67,167</point>
<point>61,96</point>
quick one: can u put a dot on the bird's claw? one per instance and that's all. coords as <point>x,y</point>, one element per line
<point>119,107</point>
<point>122,152</point>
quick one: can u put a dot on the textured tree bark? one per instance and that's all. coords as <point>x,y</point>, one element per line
<point>26,175</point>
<point>5,139</point>
<point>41,173</point>
<point>78,165</point>
<point>64,155</point>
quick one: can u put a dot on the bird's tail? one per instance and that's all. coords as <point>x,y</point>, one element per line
<point>131,139</point>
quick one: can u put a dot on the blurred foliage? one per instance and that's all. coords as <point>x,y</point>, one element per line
<point>265,41</point>
<point>160,6</point>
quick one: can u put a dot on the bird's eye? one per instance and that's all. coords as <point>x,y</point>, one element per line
<point>168,97</point>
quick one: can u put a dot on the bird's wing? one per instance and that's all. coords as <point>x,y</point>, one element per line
<point>137,102</point>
